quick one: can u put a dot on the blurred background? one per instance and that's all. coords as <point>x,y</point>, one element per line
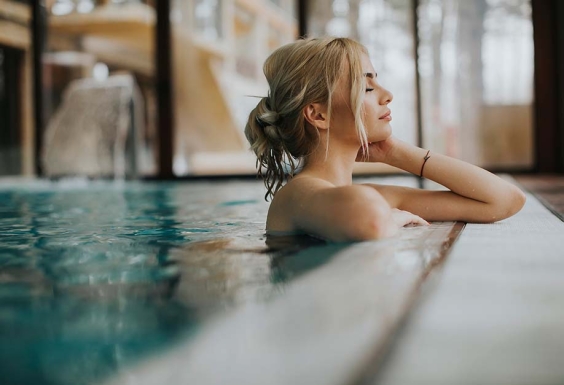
<point>162,89</point>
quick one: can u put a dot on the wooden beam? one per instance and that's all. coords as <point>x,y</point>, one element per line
<point>302,18</point>
<point>559,145</point>
<point>14,35</point>
<point>133,20</point>
<point>165,112</point>
<point>548,131</point>
<point>13,11</point>
<point>38,30</point>
<point>416,40</point>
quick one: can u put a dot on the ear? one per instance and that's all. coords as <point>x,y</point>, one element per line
<point>316,115</point>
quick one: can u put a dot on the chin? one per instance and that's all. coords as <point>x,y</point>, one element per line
<point>382,134</point>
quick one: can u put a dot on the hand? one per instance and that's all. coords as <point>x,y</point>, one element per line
<point>378,151</point>
<point>403,218</point>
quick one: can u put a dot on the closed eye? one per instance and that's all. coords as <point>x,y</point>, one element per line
<point>370,75</point>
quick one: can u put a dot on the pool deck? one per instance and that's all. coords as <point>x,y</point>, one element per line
<point>406,311</point>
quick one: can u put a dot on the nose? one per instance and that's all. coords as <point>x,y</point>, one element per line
<point>386,96</point>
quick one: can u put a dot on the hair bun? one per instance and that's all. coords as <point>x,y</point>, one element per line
<point>272,132</point>
<point>269,128</point>
<point>268,120</point>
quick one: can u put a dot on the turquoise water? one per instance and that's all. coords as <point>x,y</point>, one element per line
<point>96,275</point>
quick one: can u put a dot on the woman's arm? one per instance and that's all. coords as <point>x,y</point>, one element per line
<point>475,195</point>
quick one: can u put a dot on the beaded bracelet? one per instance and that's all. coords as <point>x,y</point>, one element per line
<point>425,159</point>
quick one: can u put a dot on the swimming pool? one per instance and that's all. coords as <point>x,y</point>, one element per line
<point>95,275</point>
<point>135,282</point>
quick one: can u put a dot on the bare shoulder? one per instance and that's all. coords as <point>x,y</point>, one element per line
<point>317,207</point>
<point>290,199</point>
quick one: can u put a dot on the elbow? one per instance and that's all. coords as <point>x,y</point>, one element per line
<point>511,204</point>
<point>366,217</point>
<point>519,201</point>
<point>376,223</point>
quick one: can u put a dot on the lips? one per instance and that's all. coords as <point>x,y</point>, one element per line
<point>387,115</point>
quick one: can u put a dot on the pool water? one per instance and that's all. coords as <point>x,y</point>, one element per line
<point>96,275</point>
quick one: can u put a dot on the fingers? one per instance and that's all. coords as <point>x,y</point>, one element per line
<point>417,220</point>
<point>404,218</point>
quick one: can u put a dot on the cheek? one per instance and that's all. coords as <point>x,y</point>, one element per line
<point>370,114</point>
<point>376,129</point>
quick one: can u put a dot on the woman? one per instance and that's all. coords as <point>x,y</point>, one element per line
<point>326,109</point>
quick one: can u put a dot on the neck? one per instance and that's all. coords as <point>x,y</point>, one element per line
<point>333,163</point>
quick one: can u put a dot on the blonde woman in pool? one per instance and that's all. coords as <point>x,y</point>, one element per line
<point>326,109</point>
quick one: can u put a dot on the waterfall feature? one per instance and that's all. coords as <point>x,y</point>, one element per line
<point>95,130</point>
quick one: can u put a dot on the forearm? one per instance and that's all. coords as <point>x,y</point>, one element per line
<point>460,177</point>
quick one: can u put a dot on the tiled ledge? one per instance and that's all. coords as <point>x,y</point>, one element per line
<point>495,315</point>
<point>549,189</point>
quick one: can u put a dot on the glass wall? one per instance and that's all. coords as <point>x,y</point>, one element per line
<point>16,89</point>
<point>99,102</point>
<point>99,89</point>
<point>476,67</point>
<point>218,51</point>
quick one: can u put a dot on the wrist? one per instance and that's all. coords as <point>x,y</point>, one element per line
<point>425,159</point>
<point>407,157</point>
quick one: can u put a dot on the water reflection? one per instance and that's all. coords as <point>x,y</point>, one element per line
<point>95,276</point>
<point>225,272</point>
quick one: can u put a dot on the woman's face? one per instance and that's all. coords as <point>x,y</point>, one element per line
<point>376,113</point>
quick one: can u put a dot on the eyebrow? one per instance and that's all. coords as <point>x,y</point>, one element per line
<point>371,75</point>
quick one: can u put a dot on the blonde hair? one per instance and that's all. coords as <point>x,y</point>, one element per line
<point>298,74</point>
